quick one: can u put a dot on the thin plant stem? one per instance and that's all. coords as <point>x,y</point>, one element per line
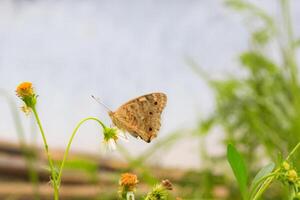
<point>289,51</point>
<point>269,180</point>
<point>54,180</point>
<point>293,151</point>
<point>130,196</point>
<point>265,185</point>
<point>260,181</point>
<point>70,142</point>
<point>26,152</point>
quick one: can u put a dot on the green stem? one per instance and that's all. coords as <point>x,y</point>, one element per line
<point>289,53</point>
<point>293,151</point>
<point>259,182</point>
<point>290,41</point>
<point>54,180</point>
<point>265,185</point>
<point>26,151</point>
<point>269,180</point>
<point>33,176</point>
<point>70,142</point>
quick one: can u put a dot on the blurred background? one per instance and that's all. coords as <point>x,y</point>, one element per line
<point>229,69</point>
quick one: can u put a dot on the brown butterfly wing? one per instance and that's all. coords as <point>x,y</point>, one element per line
<point>141,116</point>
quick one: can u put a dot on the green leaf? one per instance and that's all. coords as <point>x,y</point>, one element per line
<point>261,36</point>
<point>239,169</point>
<point>255,11</point>
<point>206,125</point>
<point>262,173</point>
<point>257,63</point>
<point>82,164</point>
<point>236,4</point>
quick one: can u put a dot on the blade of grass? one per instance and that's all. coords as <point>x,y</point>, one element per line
<point>239,169</point>
<point>264,172</point>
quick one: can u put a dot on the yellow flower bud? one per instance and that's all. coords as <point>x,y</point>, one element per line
<point>292,175</point>
<point>286,165</point>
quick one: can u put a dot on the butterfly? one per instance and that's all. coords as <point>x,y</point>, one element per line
<point>140,116</point>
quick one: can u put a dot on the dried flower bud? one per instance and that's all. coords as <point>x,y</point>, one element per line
<point>26,109</point>
<point>167,184</point>
<point>160,191</point>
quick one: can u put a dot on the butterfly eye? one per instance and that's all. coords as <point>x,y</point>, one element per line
<point>155,103</point>
<point>150,129</point>
<point>150,113</point>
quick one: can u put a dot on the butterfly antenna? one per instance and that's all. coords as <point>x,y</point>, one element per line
<point>98,100</point>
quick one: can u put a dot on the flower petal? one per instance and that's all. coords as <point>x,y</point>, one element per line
<point>111,145</point>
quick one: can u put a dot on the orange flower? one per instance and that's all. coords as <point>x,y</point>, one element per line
<point>26,93</point>
<point>128,179</point>
<point>127,184</point>
<point>25,89</point>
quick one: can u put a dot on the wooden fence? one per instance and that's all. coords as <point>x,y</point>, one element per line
<point>76,183</point>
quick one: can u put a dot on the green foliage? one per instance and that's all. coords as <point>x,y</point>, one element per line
<point>157,193</point>
<point>200,184</point>
<point>239,169</point>
<point>266,30</point>
<point>256,182</point>
<point>263,172</point>
<point>82,164</point>
<point>258,64</point>
<point>261,36</point>
<point>260,108</point>
<point>285,173</point>
<point>29,154</point>
<point>90,167</point>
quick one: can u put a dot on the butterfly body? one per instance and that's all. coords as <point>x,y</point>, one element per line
<point>141,116</point>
